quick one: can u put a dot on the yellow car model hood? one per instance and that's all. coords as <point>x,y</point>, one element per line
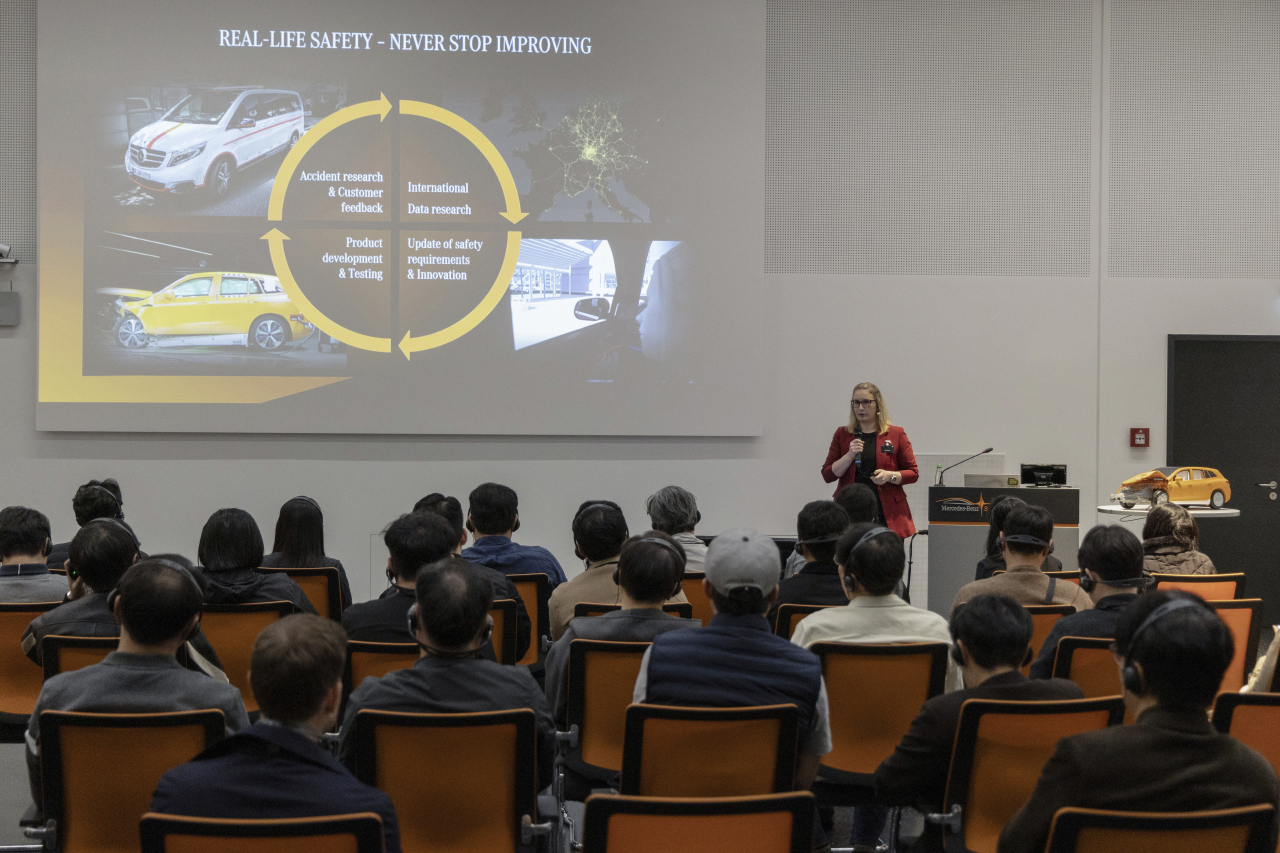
<point>1148,475</point>
<point>126,292</point>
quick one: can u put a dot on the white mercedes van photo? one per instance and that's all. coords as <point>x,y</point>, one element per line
<point>210,135</point>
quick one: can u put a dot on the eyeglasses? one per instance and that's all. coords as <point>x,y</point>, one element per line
<point>863,402</point>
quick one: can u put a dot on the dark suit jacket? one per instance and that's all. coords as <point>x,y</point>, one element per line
<point>916,773</point>
<point>269,771</point>
<point>1170,760</point>
<point>815,583</point>
<point>1098,622</point>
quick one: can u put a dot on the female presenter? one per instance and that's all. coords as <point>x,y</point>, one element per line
<point>884,458</point>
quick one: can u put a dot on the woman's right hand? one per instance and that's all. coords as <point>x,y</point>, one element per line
<point>855,447</point>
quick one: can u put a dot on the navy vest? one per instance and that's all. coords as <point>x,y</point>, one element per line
<point>735,661</point>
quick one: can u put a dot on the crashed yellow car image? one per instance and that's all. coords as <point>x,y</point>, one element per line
<point>1190,485</point>
<point>218,308</point>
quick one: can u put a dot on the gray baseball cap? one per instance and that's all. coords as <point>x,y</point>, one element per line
<point>743,557</point>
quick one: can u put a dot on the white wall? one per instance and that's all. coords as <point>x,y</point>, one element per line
<point>1043,368</point>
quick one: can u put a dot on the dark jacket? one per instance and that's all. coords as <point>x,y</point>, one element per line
<point>240,586</point>
<point>624,626</point>
<point>499,552</point>
<point>386,619</point>
<point>1170,760</point>
<point>815,583</point>
<point>1098,622</point>
<point>1165,555</point>
<point>89,617</point>
<point>59,555</point>
<point>989,565</point>
<point>435,685</point>
<point>734,661</point>
<point>272,561</point>
<point>269,771</point>
<point>916,773</point>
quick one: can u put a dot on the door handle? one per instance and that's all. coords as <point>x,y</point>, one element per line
<point>1272,485</point>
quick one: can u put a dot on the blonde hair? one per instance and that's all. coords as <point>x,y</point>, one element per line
<point>882,413</point>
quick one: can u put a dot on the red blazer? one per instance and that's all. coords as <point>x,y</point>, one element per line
<point>897,515</point>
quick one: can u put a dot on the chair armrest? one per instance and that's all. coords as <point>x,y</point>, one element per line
<point>528,829</point>
<point>952,821</point>
<point>569,738</point>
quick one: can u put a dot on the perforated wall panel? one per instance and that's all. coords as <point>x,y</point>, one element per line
<point>929,137</point>
<point>1193,123</point>
<point>18,128</point>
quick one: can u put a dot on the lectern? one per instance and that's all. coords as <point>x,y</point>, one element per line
<point>958,522</point>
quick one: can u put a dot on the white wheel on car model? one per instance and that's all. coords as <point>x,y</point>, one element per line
<point>1159,498</point>
<point>1217,499</point>
<point>268,333</point>
<point>220,178</point>
<point>131,334</point>
<point>293,140</point>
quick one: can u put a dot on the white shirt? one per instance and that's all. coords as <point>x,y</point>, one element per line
<point>695,551</point>
<point>877,619</point>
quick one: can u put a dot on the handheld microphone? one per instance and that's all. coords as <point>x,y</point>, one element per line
<point>944,471</point>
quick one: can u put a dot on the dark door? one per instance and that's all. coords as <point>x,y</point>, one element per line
<point>1224,413</point>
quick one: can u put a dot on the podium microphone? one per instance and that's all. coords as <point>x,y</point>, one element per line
<point>944,471</point>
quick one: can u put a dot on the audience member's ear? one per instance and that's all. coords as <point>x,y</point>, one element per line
<point>116,611</point>
<point>333,699</point>
<point>48,547</point>
<point>773,595</point>
<point>577,551</point>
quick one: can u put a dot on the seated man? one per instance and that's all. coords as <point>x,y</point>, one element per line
<point>737,660</point>
<point>818,526</point>
<point>451,622</point>
<point>1026,539</point>
<point>278,768</point>
<point>599,529</point>
<point>858,501</point>
<point>412,542</point>
<point>992,638</point>
<point>1110,560</point>
<point>24,545</point>
<point>101,551</point>
<point>674,511</point>
<point>871,561</point>
<point>157,605</point>
<point>95,499</point>
<point>1172,649</point>
<point>493,515</point>
<point>649,570</point>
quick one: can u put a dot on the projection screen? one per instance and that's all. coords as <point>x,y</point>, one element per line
<point>468,217</point>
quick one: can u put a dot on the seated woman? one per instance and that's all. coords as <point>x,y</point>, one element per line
<point>1171,542</point>
<point>230,554</point>
<point>988,565</point>
<point>300,542</point>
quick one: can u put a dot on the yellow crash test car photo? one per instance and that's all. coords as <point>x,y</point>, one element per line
<point>227,308</point>
<point>1189,485</point>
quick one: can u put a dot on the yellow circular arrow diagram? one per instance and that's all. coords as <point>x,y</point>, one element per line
<point>408,344</point>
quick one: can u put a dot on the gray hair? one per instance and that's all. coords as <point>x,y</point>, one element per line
<point>672,510</point>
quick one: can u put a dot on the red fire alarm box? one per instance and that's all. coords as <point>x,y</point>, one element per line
<point>1139,437</point>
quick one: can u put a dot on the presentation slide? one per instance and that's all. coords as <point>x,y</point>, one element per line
<point>524,217</point>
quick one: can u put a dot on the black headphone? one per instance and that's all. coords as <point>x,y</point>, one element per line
<point>115,500</point>
<point>958,656</point>
<point>1130,677</point>
<point>181,569</point>
<point>441,653</point>
<point>471,528</point>
<point>1023,539</point>
<point>684,560</point>
<point>72,574</point>
<point>308,500</point>
<point>849,579</point>
<point>817,540</point>
<point>1088,584</point>
<point>597,505</point>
